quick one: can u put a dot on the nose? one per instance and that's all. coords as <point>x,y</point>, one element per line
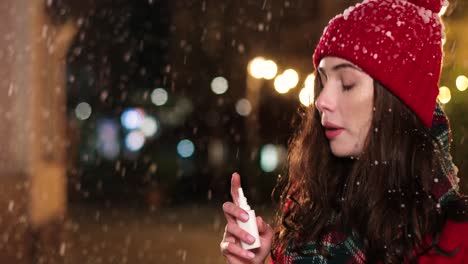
<point>326,100</point>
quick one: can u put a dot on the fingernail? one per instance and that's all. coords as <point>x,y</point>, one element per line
<point>245,216</point>
<point>250,255</point>
<point>251,239</point>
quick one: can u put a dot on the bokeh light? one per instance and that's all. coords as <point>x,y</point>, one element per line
<point>281,84</point>
<point>83,111</point>
<point>256,67</point>
<point>216,152</point>
<point>306,96</point>
<point>149,127</point>
<point>292,78</point>
<point>269,69</point>
<point>185,148</point>
<point>310,80</point>
<point>243,107</point>
<point>444,94</point>
<point>132,118</point>
<point>159,96</point>
<point>268,158</point>
<point>108,138</point>
<point>219,85</point>
<point>462,83</point>
<point>135,140</point>
<point>261,68</point>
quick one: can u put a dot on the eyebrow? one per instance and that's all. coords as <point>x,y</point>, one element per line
<point>338,67</point>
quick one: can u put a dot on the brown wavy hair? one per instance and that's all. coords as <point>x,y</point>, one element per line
<point>383,195</point>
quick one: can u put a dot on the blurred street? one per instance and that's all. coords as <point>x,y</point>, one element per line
<point>189,234</point>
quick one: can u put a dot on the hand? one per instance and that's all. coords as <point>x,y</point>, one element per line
<point>230,245</point>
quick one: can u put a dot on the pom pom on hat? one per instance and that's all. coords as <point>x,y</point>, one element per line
<point>433,5</point>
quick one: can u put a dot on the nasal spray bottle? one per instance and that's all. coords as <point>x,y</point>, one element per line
<point>251,225</point>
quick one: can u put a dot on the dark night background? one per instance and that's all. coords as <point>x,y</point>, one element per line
<point>152,204</point>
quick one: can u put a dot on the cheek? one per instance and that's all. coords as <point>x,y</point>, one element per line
<point>363,107</point>
<point>359,114</point>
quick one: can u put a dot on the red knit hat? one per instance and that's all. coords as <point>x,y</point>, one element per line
<point>397,42</point>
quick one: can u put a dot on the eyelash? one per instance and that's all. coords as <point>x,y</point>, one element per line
<point>347,87</point>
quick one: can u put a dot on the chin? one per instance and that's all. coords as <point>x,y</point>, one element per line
<point>342,152</point>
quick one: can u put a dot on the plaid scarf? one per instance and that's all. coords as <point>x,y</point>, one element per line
<point>348,249</point>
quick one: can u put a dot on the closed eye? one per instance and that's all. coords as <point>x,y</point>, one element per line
<point>348,87</point>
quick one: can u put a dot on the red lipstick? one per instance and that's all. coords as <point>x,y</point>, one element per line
<point>332,130</point>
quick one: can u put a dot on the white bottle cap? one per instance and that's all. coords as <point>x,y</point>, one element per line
<point>243,201</point>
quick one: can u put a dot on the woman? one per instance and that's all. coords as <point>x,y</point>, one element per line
<point>370,177</point>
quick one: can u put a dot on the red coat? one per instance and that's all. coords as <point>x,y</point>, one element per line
<point>454,235</point>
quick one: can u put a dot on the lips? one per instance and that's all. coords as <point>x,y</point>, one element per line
<point>332,133</point>
<point>332,130</point>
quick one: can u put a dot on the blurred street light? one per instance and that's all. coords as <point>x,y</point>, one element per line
<point>149,127</point>
<point>83,111</point>
<point>132,118</point>
<point>444,94</point>
<point>135,140</point>
<point>286,81</point>
<point>270,69</point>
<point>256,67</point>
<point>159,96</point>
<point>462,83</point>
<point>292,78</point>
<point>219,85</point>
<point>260,68</point>
<point>306,96</point>
<point>281,84</point>
<point>243,107</point>
<point>310,80</point>
<point>185,148</point>
<point>268,158</point>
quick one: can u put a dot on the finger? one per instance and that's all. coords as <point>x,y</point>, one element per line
<point>233,212</point>
<point>239,233</point>
<point>264,229</point>
<point>234,249</point>
<point>260,224</point>
<point>268,233</point>
<point>229,218</point>
<point>229,238</point>
<point>235,185</point>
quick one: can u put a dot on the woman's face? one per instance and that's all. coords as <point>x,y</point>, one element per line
<point>345,105</point>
